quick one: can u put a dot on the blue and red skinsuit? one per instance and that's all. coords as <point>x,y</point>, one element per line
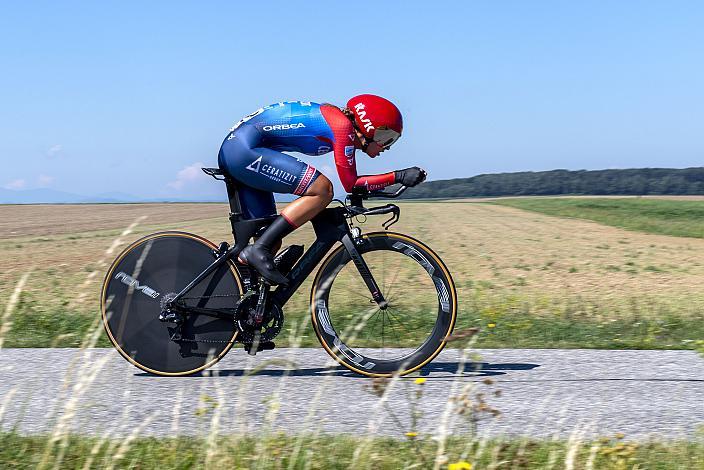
<point>252,152</point>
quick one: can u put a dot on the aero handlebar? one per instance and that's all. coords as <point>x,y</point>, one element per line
<point>356,207</point>
<point>387,194</point>
<point>360,194</point>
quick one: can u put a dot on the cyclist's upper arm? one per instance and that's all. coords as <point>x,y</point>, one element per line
<point>343,145</point>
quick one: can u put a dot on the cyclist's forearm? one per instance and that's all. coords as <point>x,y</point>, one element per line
<point>375,182</point>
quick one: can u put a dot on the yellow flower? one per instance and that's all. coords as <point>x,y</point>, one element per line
<point>420,380</point>
<point>491,325</point>
<point>462,465</point>
<point>411,435</point>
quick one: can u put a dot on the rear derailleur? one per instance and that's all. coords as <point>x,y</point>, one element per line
<point>170,314</point>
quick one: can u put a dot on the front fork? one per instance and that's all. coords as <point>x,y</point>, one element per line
<point>364,272</point>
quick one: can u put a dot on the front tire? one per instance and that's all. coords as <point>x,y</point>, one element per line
<point>421,313</point>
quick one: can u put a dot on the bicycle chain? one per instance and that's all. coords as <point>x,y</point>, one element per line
<point>187,340</point>
<point>211,296</point>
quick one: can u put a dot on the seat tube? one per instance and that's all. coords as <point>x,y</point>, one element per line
<point>364,272</point>
<point>233,196</point>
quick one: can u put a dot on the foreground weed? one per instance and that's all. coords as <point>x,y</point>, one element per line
<point>699,344</point>
<point>617,453</point>
<point>103,262</point>
<point>6,322</point>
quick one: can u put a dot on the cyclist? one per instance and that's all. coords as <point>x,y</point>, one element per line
<point>252,154</point>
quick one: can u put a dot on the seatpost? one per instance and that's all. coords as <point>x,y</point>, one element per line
<point>233,197</point>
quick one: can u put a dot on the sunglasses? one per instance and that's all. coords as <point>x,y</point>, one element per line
<point>383,137</point>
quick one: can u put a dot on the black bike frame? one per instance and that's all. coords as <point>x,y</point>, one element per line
<point>330,227</point>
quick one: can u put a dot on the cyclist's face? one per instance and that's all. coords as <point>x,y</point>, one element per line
<point>374,149</point>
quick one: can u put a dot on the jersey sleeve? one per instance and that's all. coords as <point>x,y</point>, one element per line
<point>374,182</point>
<point>344,151</point>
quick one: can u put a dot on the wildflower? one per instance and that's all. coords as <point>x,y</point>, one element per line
<point>411,435</point>
<point>491,325</point>
<point>461,465</point>
<point>420,381</point>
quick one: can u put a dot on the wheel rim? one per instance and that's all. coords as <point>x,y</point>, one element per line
<point>410,332</point>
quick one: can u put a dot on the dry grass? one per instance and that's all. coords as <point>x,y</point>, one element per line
<point>41,220</point>
<point>503,260</point>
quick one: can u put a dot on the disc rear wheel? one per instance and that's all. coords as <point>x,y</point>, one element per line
<point>151,271</point>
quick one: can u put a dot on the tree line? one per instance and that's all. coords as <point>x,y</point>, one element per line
<point>635,181</point>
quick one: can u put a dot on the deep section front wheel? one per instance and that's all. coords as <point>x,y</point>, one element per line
<point>397,338</point>
<point>142,277</point>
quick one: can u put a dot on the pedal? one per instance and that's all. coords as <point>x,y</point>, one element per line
<point>263,346</point>
<point>285,260</point>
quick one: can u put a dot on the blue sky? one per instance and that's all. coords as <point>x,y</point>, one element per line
<point>132,96</point>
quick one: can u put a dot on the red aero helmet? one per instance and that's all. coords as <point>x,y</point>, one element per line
<point>373,113</point>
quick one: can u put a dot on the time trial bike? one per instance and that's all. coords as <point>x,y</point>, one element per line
<point>382,303</point>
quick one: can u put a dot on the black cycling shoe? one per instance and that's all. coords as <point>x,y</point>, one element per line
<point>259,257</point>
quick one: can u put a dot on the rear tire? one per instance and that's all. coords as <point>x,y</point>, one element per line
<point>151,268</point>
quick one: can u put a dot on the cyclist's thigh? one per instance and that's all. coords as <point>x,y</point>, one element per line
<point>264,169</point>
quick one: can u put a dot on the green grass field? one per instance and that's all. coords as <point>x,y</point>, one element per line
<point>525,278</point>
<point>342,452</point>
<point>680,218</point>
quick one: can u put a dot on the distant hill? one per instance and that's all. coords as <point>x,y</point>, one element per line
<point>52,196</point>
<point>32,196</point>
<point>635,181</point>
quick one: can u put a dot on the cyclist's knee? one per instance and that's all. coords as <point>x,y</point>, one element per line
<point>322,188</point>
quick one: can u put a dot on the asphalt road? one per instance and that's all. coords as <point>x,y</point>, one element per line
<point>542,393</point>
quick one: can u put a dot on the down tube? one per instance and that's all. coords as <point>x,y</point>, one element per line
<point>311,258</point>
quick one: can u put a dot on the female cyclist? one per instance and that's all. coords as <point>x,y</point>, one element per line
<point>252,154</point>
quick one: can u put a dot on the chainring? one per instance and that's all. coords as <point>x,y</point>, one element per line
<point>270,328</point>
